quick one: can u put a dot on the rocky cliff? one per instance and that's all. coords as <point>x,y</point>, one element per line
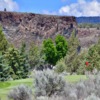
<point>30,27</point>
<point>88,36</point>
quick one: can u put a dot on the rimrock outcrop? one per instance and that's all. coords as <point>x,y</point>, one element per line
<point>30,27</point>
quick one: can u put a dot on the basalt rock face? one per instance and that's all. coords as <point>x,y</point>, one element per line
<point>88,36</point>
<point>28,27</point>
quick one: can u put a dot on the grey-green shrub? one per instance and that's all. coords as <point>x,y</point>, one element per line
<point>92,97</point>
<point>48,83</point>
<point>51,98</point>
<point>21,92</point>
<point>51,86</point>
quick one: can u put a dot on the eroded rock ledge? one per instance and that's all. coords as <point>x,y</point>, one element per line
<point>29,27</point>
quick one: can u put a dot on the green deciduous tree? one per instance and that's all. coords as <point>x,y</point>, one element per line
<point>50,51</point>
<point>56,50</point>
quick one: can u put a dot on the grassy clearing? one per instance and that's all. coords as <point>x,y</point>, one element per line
<point>5,87</point>
<point>75,78</point>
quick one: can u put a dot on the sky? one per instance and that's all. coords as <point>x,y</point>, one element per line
<point>54,7</point>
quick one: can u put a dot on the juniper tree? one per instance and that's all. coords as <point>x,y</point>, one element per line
<point>18,62</point>
<point>3,41</point>
<point>4,69</point>
<point>94,57</point>
<point>61,46</point>
<point>71,59</point>
<point>36,56</point>
<point>24,61</point>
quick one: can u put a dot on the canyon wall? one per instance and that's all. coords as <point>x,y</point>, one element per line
<point>30,27</point>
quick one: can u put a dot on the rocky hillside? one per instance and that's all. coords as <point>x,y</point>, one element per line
<point>88,36</point>
<point>30,27</point>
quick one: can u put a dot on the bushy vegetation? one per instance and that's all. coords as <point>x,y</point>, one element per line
<point>17,63</point>
<point>75,60</point>
<point>83,90</point>
<point>21,92</point>
<point>60,66</point>
<point>64,54</point>
<point>48,83</point>
<point>94,57</point>
<point>51,86</point>
<point>55,51</point>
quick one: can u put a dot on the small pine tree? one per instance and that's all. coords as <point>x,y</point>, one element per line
<point>12,56</point>
<point>24,61</point>
<point>70,59</point>
<point>18,62</point>
<point>73,43</point>
<point>4,69</point>
<point>61,46</point>
<point>94,57</point>
<point>36,56</point>
<point>3,41</point>
<point>60,66</point>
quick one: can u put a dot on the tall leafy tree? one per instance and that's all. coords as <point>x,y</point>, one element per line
<point>50,51</point>
<point>54,51</point>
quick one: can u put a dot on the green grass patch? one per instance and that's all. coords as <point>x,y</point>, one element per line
<point>5,87</point>
<point>75,78</point>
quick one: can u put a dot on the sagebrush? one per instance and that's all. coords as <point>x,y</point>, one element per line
<point>21,92</point>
